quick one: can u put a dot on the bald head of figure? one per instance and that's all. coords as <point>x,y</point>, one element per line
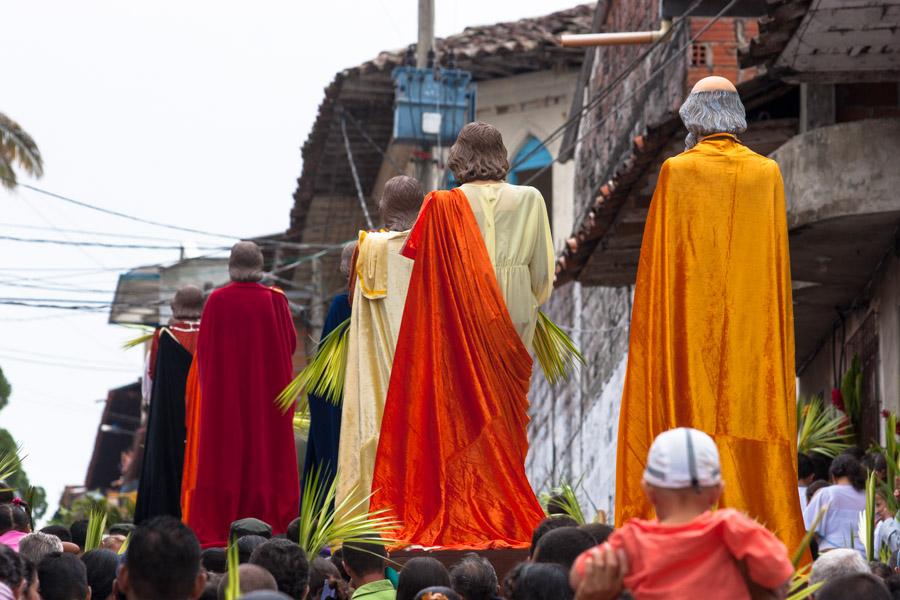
<point>253,578</point>
<point>246,262</point>
<point>187,303</point>
<point>713,106</point>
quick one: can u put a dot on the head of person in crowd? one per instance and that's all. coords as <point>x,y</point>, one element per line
<point>879,569</point>
<point>12,572</point>
<point>14,517</point>
<point>537,581</point>
<point>252,578</point>
<point>837,563</point>
<point>211,589</point>
<point>854,587</point>
<point>7,493</point>
<point>556,505</point>
<point>250,526</point>
<point>214,560</point>
<point>419,573</point>
<point>876,463</point>
<point>265,595</point>
<point>78,529</point>
<point>63,577</point>
<point>293,529</point>
<point>364,562</point>
<point>337,559</point>
<point>287,563</point>
<point>400,202</point>
<point>893,585</point>
<point>123,528</point>
<point>478,154</point>
<point>474,578</point>
<point>814,487</point>
<point>162,561</point>
<point>245,265</point>
<point>562,546</point>
<point>113,542</point>
<point>548,524</point>
<point>437,592</point>
<point>322,573</point>
<point>31,588</point>
<point>101,566</point>
<point>599,531</point>
<point>35,546</point>
<point>713,106</point>
<point>882,509</point>
<point>187,305</point>
<point>806,471</point>
<point>246,545</point>
<point>846,470</point>
<point>59,531</point>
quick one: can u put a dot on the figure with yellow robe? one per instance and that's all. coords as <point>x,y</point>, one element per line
<point>712,339</point>
<point>378,297</point>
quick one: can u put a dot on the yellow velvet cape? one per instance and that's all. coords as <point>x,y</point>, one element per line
<point>712,340</point>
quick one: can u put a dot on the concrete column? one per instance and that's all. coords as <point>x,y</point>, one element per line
<point>817,106</point>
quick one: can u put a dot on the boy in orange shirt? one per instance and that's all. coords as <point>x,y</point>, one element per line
<point>689,551</point>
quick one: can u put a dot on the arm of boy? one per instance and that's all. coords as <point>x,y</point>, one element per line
<point>598,574</point>
<point>765,557</point>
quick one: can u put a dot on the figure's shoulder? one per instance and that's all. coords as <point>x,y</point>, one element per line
<point>277,290</point>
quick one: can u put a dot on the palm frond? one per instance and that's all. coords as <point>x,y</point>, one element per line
<point>124,548</point>
<point>555,351</point>
<point>820,429</point>
<point>137,341</point>
<point>803,548</point>
<point>10,462</point>
<point>564,497</point>
<point>95,528</point>
<point>324,374</point>
<point>17,147</point>
<point>302,422</point>
<point>866,528</point>
<point>233,565</point>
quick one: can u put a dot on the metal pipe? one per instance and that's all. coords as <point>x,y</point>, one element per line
<point>580,40</point>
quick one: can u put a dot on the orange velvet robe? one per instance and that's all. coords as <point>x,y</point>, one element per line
<point>451,457</point>
<point>712,339</point>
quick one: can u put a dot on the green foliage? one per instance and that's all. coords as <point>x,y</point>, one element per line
<point>851,391</point>
<point>124,548</point>
<point>564,497</point>
<point>17,149</point>
<point>799,588</point>
<point>5,390</point>
<point>137,341</point>
<point>820,428</point>
<point>323,375</point>
<point>867,519</point>
<point>233,564</point>
<point>803,548</point>
<point>95,529</point>
<point>555,351</point>
<point>18,479</point>
<point>83,507</point>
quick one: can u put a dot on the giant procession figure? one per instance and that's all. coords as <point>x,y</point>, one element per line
<point>241,460</point>
<point>450,463</point>
<point>712,342</point>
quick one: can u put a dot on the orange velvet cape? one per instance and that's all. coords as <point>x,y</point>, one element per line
<point>450,461</point>
<point>712,338</point>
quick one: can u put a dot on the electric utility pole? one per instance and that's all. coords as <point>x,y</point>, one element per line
<point>424,47</point>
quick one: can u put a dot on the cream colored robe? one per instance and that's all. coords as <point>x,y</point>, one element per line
<point>378,301</point>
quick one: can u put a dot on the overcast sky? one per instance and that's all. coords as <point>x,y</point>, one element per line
<point>188,112</point>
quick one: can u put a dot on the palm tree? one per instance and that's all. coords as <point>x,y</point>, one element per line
<point>17,149</point>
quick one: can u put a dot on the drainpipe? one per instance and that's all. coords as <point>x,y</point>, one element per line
<point>580,40</point>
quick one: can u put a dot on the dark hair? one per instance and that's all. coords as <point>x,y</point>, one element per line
<point>59,531</point>
<point>419,573</point>
<point>163,559</point>
<point>122,528</point>
<point>320,569</point>
<point>101,568</point>
<point>814,487</point>
<point>437,591</point>
<point>880,569</point>
<point>805,466</point>
<point>7,494</point>
<point>250,526</point>
<point>293,531</point>
<point>851,587</point>
<point>364,557</point>
<point>78,530</point>
<point>211,589</point>
<point>549,524</point>
<point>401,200</point>
<point>337,559</point>
<point>62,577</point>
<point>893,585</point>
<point>556,506</point>
<point>562,546</point>
<point>13,516</point>
<point>214,560</point>
<point>874,461</point>
<point>599,531</point>
<point>474,578</point>
<point>847,466</point>
<point>30,575</point>
<point>287,563</point>
<point>246,546</point>
<point>478,154</point>
<point>12,567</point>
<point>537,581</point>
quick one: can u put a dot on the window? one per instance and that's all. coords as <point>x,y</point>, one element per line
<point>700,55</point>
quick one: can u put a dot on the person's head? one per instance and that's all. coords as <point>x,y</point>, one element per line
<point>713,106</point>
<point>113,542</point>
<point>854,587</point>
<point>214,560</point>
<point>12,569</point>
<point>437,592</point>
<point>35,546</point>
<point>245,264</point>
<point>478,154</point>
<point>346,258</point>
<point>247,545</point>
<point>599,531</point>
<point>547,525</point>
<point>211,589</point>
<point>893,585</point>
<point>250,526</point>
<point>556,505</point>
<point>882,510</point>
<point>837,563</point>
<point>814,487</point>
<point>252,578</point>
<point>419,573</point>
<point>187,303</point>
<point>63,577</point>
<point>876,463</point>
<point>14,517</point>
<point>30,582</point>
<point>562,546</point>
<point>879,569</point>
<point>321,572</point>
<point>682,473</point>
<point>537,581</point>
<point>845,469</point>
<point>78,529</point>
<point>286,561</point>
<point>162,561</point>
<point>101,566</point>
<point>337,559</point>
<point>363,560</point>
<point>293,531</point>
<point>59,531</point>
<point>400,202</point>
<point>7,493</point>
<point>474,578</point>
<point>806,471</point>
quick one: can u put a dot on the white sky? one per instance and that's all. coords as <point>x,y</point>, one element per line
<point>188,112</point>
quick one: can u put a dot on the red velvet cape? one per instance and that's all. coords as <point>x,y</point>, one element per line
<point>246,461</point>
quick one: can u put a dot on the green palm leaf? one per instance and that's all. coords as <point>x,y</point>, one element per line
<point>137,341</point>
<point>233,562</point>
<point>95,528</point>
<point>10,462</point>
<point>866,528</point>
<point>565,497</point>
<point>17,148</point>
<point>555,351</point>
<point>324,374</point>
<point>803,548</point>
<point>124,548</point>
<point>820,429</point>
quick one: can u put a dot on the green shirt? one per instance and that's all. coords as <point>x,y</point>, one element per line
<point>377,590</point>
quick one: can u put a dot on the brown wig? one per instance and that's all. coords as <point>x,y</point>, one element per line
<point>479,154</point>
<point>400,202</point>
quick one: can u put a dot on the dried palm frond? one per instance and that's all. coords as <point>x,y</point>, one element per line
<point>555,351</point>
<point>347,522</point>
<point>564,497</point>
<point>144,337</point>
<point>17,148</point>
<point>820,429</point>
<point>233,565</point>
<point>324,375</point>
<point>95,528</point>
<point>10,462</point>
<point>866,528</point>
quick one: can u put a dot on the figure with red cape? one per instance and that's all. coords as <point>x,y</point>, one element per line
<point>450,463</point>
<point>170,357</point>
<point>241,460</point>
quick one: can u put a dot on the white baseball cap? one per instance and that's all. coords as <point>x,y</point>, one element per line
<point>683,458</point>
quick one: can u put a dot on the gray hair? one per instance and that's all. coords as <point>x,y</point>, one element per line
<point>347,257</point>
<point>837,563</point>
<point>709,112</point>
<point>474,578</point>
<point>246,262</point>
<point>35,546</point>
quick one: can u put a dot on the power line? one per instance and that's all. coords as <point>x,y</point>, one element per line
<point>11,238</point>
<point>67,365</point>
<point>90,232</point>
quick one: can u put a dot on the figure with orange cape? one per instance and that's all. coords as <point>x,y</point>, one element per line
<point>244,462</point>
<point>451,458</point>
<point>712,338</point>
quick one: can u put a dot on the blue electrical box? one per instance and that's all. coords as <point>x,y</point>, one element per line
<point>431,106</point>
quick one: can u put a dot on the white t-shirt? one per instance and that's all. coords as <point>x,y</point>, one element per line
<point>839,526</point>
<point>802,490</point>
